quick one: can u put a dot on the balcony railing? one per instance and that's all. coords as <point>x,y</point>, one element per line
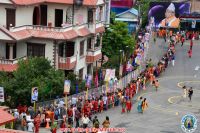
<point>67,63</point>
<point>93,55</point>
<point>12,61</point>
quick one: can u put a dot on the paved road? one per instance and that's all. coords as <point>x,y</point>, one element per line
<point>162,116</point>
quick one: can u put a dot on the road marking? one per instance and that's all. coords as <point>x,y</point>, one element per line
<point>170,99</point>
<point>196,68</point>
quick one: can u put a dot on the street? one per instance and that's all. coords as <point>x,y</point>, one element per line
<point>163,116</point>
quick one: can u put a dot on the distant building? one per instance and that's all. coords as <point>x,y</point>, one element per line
<point>130,17</point>
<point>119,6</point>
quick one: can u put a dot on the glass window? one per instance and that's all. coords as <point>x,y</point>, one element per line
<point>82,48</point>
<point>81,73</point>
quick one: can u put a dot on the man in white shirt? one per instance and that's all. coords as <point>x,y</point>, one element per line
<point>85,121</point>
<point>30,126</point>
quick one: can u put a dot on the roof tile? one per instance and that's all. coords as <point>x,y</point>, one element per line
<point>31,2</point>
<point>5,117</point>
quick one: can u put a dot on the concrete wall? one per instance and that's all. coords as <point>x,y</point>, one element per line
<point>2,49</point>
<point>24,15</point>
<point>81,15</point>
<point>3,13</point>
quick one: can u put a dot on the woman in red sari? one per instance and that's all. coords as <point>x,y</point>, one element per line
<point>128,105</point>
<point>37,122</point>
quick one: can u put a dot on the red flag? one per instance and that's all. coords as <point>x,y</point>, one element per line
<point>96,80</point>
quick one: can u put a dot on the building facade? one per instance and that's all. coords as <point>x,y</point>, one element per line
<point>67,32</point>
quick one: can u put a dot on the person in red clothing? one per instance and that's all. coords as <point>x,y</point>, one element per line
<point>70,114</point>
<point>96,105</point>
<point>190,53</point>
<point>191,44</point>
<point>182,40</point>
<point>101,105</point>
<point>128,105</point>
<point>37,122</point>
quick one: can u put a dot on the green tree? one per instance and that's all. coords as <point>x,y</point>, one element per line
<point>116,38</point>
<point>34,72</point>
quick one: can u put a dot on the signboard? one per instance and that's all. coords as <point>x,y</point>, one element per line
<point>110,73</point>
<point>165,18</point>
<point>67,86</point>
<point>1,94</point>
<point>34,94</point>
<point>193,24</point>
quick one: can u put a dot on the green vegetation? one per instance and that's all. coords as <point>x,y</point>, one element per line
<point>34,72</point>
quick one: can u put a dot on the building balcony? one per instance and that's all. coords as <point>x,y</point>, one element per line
<point>10,65</point>
<point>93,55</point>
<point>67,63</point>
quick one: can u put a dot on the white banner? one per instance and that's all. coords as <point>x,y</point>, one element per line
<point>110,73</point>
<point>1,94</point>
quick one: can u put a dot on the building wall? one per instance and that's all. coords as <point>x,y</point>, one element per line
<point>24,15</point>
<point>51,12</point>
<point>81,60</point>
<point>195,6</point>
<point>80,15</point>
<point>2,50</point>
<point>3,13</point>
<point>22,48</point>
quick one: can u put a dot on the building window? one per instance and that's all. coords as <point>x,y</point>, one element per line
<point>35,49</point>
<point>90,16</point>
<point>66,49</point>
<point>81,73</point>
<point>98,39</point>
<point>101,13</point>
<point>82,48</point>
<point>89,43</point>
<point>89,69</point>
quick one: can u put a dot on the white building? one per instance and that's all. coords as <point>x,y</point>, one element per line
<point>67,32</point>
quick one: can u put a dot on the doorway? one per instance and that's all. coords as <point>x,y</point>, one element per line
<point>58,17</point>
<point>10,17</point>
<point>36,16</point>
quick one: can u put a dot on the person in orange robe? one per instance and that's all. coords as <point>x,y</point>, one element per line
<point>170,18</point>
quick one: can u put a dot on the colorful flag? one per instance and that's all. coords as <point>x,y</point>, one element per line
<point>96,80</point>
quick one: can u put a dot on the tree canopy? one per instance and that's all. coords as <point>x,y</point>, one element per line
<point>116,38</point>
<point>34,72</point>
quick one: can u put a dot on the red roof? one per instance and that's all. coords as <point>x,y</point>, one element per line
<point>8,68</point>
<point>5,118</point>
<point>100,29</point>
<point>10,131</point>
<point>28,33</point>
<point>31,2</point>
<point>84,31</point>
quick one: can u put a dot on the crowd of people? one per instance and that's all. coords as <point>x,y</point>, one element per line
<point>79,112</point>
